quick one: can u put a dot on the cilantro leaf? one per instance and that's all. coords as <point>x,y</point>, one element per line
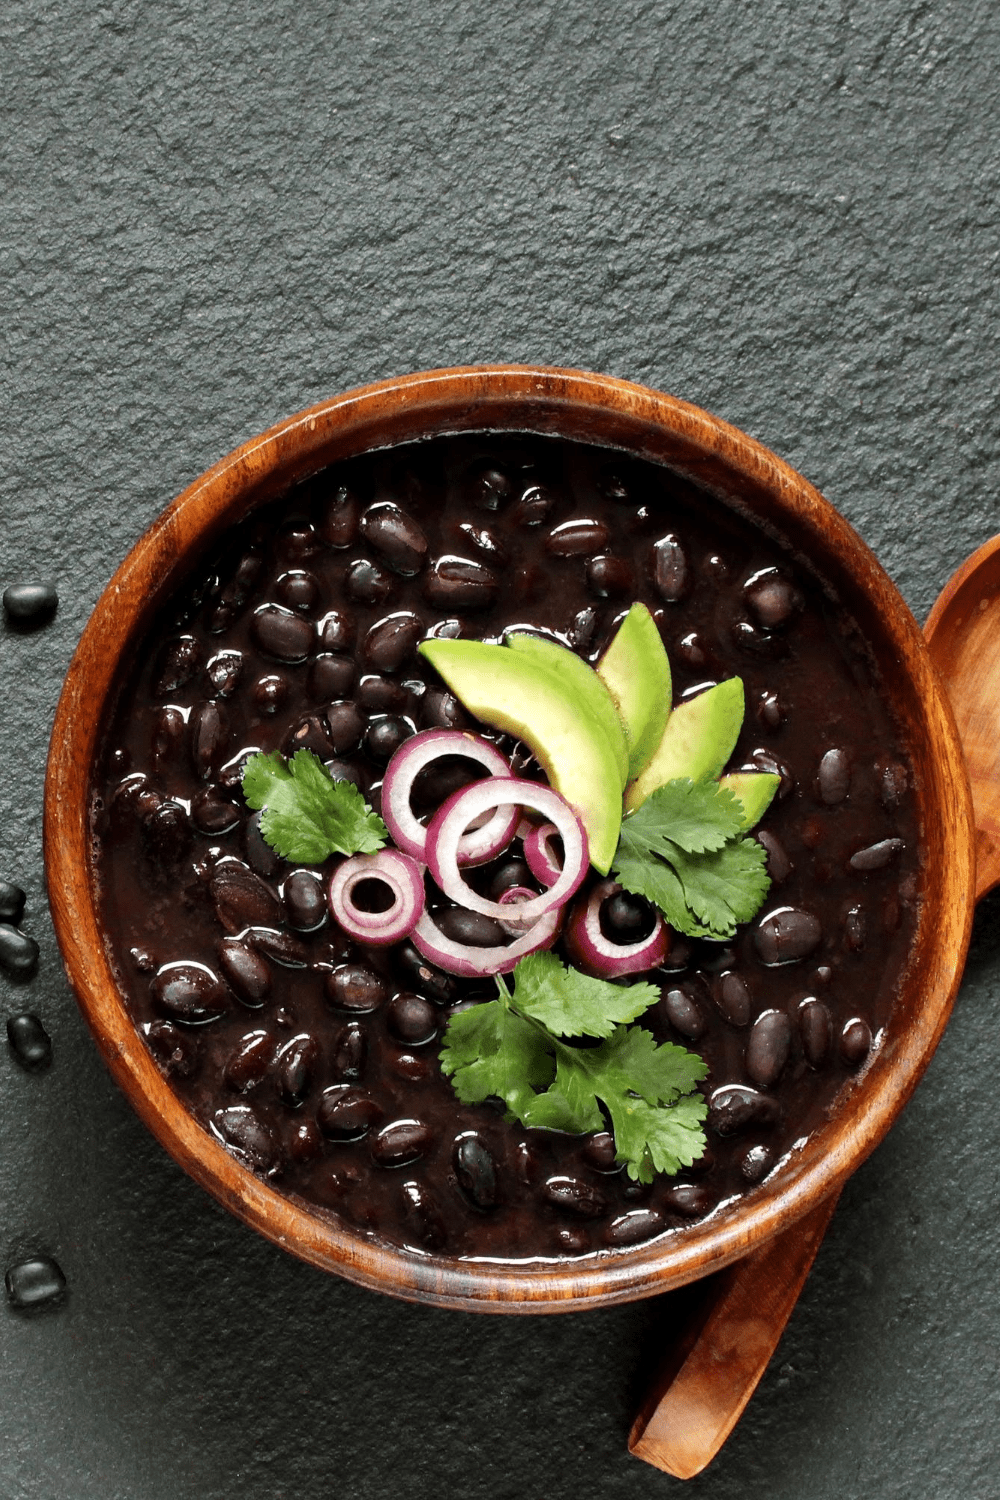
<point>490,1051</point>
<point>306,815</point>
<point>692,815</point>
<point>726,886</point>
<point>569,1003</point>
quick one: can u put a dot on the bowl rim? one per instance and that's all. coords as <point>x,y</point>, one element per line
<point>743,473</point>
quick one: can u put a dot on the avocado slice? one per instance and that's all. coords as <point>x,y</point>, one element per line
<point>700,736</point>
<point>512,691</point>
<point>585,681</point>
<point>636,673</point>
<point>755,791</point>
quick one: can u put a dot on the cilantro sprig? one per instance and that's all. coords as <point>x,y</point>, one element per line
<point>306,815</point>
<point>684,850</point>
<point>513,1048</point>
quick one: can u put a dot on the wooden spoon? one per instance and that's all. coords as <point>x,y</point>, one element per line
<point>699,1395</point>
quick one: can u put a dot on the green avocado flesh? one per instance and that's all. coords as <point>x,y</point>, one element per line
<point>700,736</point>
<point>755,790</point>
<point>636,673</point>
<point>512,691</point>
<point>585,682</point>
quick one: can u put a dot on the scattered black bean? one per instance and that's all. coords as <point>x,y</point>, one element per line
<point>177,1053</point>
<point>166,832</point>
<point>683,1013</point>
<point>248,1064</point>
<point>223,672</point>
<point>412,1019</point>
<point>855,1041</point>
<point>633,1227</point>
<point>534,507</point>
<point>283,947</point>
<point>424,975</point>
<point>577,538</point>
<point>281,634</point>
<point>338,524</point>
<point>768,1046</point>
<point>460,583</point>
<point>779,866</point>
<point>396,537</point>
<point>756,641</point>
<point>442,710</point>
<point>212,812</point>
<point>259,854</point>
<point>188,992</point>
<point>350,1052</point>
<point>816,1027</point>
<point>787,935</point>
<point>756,1163</point>
<point>246,973</point>
<point>476,1171</point>
<point>876,856</point>
<point>167,738</point>
<point>574,1196</point>
<point>241,898</point>
<point>12,900</point>
<point>772,598</point>
<point>298,591</point>
<point>490,489</point>
<point>346,726</point>
<point>209,737</point>
<point>180,661</point>
<point>670,569</point>
<point>18,952</point>
<point>342,770</point>
<point>400,1142</point>
<point>770,710</point>
<point>36,1282</point>
<point>29,1041</point>
<point>295,1067</point>
<point>689,1199</point>
<point>367,583</point>
<point>833,782</point>
<point>384,736</point>
<point>625,918</point>
<point>330,676</point>
<point>609,577</point>
<point>734,1107</point>
<point>391,641</point>
<point>270,693</point>
<point>305,900</point>
<point>472,927</point>
<point>581,631</point>
<point>311,733</point>
<point>733,998</point>
<point>245,1136</point>
<point>346,1113</point>
<point>305,1141</point>
<point>355,987</point>
<point>337,632</point>
<point>422,1217</point>
<point>600,1152</point>
<point>485,541</point>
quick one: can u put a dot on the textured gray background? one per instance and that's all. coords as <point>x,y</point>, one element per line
<point>785,212</point>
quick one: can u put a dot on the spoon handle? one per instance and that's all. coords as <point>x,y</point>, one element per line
<point>708,1379</point>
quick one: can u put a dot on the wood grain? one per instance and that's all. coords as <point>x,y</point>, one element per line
<point>597,409</point>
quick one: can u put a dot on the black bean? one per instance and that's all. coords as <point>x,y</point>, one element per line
<point>768,1046</point>
<point>231,774</point>
<point>816,1027</point>
<point>270,693</point>
<point>609,577</point>
<point>396,537</point>
<point>305,1141</point>
<point>380,695</point>
<point>349,1052</point>
<point>36,1282</point>
<point>411,1067</point>
<point>459,583</point>
<point>471,927</point>
<point>734,1107</point>
<point>400,1142</point>
<point>18,952</point>
<point>681,1010</point>
<point>248,1064</point>
<point>787,935</point>
<point>490,489</point>
<point>432,980</point>
<point>412,1019</point>
<point>223,672</point>
<point>512,872</point>
<point>213,812</point>
<point>366,583</point>
<point>346,726</point>
<point>384,736</point>
<point>169,730</point>
<point>391,641</point>
<point>330,676</point>
<point>246,973</point>
<point>833,781</point>
<point>355,987</point>
<point>180,661</point>
<point>755,1163</point>
<point>295,1067</point>
<point>311,733</point>
<point>756,641</point>
<point>855,929</point>
<point>581,631</point>
<point>693,652</point>
<point>533,508</point>
<point>305,900</point>
<point>342,770</point>
<point>240,585</point>
<point>166,832</point>
<point>338,524</point>
<point>765,760</point>
<point>770,710</point>
<point>281,634</point>
<point>209,737</point>
<point>177,1052</point>
<point>282,947</point>
<point>772,598</point>
<point>421,1216</point>
<point>246,1137</point>
<point>572,1239</point>
<point>442,710</point>
<point>259,854</point>
<point>876,856</point>
<point>346,1113</point>
<point>599,1151</point>
<point>29,1041</point>
<point>12,900</point>
<point>485,541</point>
<point>188,992</point>
<point>733,998</point>
<point>28,605</point>
<point>476,1171</point>
<point>625,918</point>
<point>337,631</point>
<point>779,866</point>
<point>855,1041</point>
<point>297,540</point>
<point>298,591</point>
<point>241,898</point>
<point>689,1199</point>
<point>670,569</point>
<point>574,1196</point>
<point>577,538</point>
<point>633,1227</point>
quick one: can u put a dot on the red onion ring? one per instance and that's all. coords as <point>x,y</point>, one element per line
<point>453,817</point>
<point>514,895</point>
<point>479,963</point>
<point>539,854</point>
<point>476,847</point>
<point>591,951</point>
<point>405,879</point>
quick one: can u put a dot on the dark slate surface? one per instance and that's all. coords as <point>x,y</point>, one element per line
<point>215,214</point>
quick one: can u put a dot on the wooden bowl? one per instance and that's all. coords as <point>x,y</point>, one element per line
<point>720,459</point>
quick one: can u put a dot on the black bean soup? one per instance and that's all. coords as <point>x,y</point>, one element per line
<point>315,1059</point>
